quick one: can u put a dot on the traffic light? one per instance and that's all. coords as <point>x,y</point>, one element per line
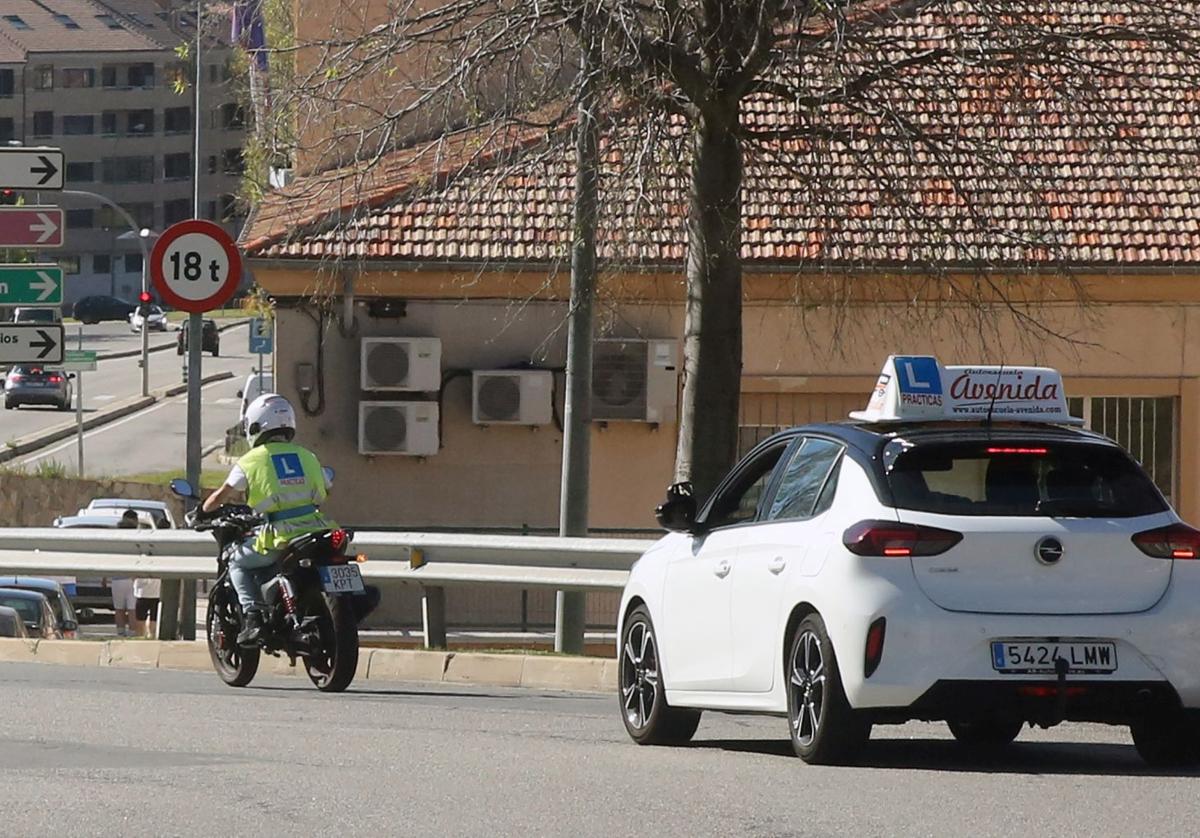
<point>9,197</point>
<point>144,299</point>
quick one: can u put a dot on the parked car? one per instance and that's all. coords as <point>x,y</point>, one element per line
<point>26,314</point>
<point>11,624</point>
<point>155,317</point>
<point>159,511</point>
<point>54,592</point>
<point>92,593</point>
<point>35,610</point>
<point>98,308</point>
<point>33,384</point>
<point>211,339</point>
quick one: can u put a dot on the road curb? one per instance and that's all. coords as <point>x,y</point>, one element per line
<point>542,672</point>
<point>133,353</point>
<point>30,444</point>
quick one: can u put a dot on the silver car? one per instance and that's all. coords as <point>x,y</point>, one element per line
<point>35,384</point>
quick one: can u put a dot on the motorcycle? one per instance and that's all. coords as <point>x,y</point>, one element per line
<point>314,600</point>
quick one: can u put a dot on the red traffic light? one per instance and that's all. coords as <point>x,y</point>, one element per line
<point>144,297</point>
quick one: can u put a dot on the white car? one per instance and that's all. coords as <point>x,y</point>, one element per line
<point>969,568</point>
<point>159,511</point>
<point>156,320</point>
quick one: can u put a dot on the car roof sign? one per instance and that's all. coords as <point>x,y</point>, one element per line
<point>918,388</point>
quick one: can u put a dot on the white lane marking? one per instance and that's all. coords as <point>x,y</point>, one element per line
<point>105,398</point>
<point>175,400</point>
<point>226,400</point>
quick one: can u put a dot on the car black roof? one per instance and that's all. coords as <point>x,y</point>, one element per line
<point>35,582</point>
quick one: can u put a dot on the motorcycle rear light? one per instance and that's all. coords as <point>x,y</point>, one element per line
<point>338,539</point>
<point>894,540</point>
<point>1175,541</point>
<point>874,648</point>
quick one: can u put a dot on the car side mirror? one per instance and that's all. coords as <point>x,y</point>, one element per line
<point>678,512</point>
<point>69,625</point>
<point>328,473</point>
<point>70,375</point>
<point>239,394</point>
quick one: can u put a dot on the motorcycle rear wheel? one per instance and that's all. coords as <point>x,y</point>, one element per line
<point>234,665</point>
<point>333,669</point>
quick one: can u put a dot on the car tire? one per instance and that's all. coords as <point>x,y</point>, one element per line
<point>8,405</point>
<point>648,719</point>
<point>216,353</point>
<point>823,728</point>
<point>64,405</point>
<point>985,734</point>
<point>1166,740</point>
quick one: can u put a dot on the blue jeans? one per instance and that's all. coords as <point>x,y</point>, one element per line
<point>249,570</point>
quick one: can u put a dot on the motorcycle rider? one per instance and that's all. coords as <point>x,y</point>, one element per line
<point>284,483</point>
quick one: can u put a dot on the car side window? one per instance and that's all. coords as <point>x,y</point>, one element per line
<point>803,479</point>
<point>738,501</point>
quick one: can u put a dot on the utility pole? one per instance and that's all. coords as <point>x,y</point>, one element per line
<point>570,617</point>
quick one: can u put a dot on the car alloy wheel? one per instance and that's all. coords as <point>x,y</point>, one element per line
<point>807,683</point>
<point>639,674</point>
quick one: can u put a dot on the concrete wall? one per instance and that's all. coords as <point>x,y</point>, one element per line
<point>28,501</point>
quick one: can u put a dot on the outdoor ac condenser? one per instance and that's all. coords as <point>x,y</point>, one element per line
<point>512,397</point>
<point>407,364</point>
<point>405,428</point>
<point>634,380</point>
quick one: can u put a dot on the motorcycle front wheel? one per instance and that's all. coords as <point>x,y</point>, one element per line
<point>332,665</point>
<point>234,665</point>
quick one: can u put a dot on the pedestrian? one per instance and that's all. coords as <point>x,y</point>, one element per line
<point>146,594</point>
<point>124,601</point>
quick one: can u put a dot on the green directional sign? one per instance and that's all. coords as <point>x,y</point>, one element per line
<point>31,285</point>
<point>79,360</point>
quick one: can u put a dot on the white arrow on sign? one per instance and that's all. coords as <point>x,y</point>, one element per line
<point>46,227</point>
<point>46,284</point>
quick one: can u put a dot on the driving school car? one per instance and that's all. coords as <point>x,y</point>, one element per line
<point>960,550</point>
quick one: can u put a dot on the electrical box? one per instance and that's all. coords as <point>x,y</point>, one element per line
<point>635,380</point>
<point>403,428</point>
<point>403,364</point>
<point>512,397</point>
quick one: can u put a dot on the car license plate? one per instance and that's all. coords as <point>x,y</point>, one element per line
<point>1037,657</point>
<point>342,579</point>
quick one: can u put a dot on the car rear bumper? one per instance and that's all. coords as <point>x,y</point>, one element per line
<point>27,395</point>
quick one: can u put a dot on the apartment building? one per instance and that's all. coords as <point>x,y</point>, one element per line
<point>100,80</point>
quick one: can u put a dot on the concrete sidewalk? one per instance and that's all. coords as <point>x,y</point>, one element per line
<point>545,672</point>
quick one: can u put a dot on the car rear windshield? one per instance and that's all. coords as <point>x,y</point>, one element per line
<point>1056,479</point>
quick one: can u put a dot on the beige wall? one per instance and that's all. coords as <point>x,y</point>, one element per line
<point>29,501</point>
<point>804,363</point>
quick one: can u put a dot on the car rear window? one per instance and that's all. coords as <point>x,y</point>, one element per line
<point>1056,479</point>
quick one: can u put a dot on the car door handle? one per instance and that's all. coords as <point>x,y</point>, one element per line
<point>777,565</point>
<point>722,569</point>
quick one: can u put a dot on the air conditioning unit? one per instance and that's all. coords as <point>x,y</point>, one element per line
<point>409,428</point>
<point>411,364</point>
<point>512,397</point>
<point>634,380</point>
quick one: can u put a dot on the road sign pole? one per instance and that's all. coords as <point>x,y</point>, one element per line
<point>79,419</point>
<point>187,610</point>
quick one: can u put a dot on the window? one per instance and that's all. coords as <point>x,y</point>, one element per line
<point>1019,477</point>
<point>142,212</point>
<point>109,21</point>
<point>80,219</point>
<point>177,210</point>
<point>212,164</point>
<point>108,123</point>
<point>140,122</point>
<point>16,22</point>
<point>69,264</point>
<point>108,76</point>
<point>43,77</point>
<point>7,81</point>
<point>141,75</point>
<point>737,502</point>
<point>233,116</point>
<point>7,129</point>
<point>81,172</point>
<point>803,480</point>
<point>177,120</point>
<point>177,166</point>
<point>80,124</point>
<point>43,123</point>
<point>1145,427</point>
<point>232,162</point>
<point>133,263</point>
<point>127,170</point>
<point>101,263</point>
<point>210,210</point>
<point>79,77</point>
<point>66,21</point>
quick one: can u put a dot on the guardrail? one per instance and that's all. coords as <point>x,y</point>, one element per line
<point>432,560</point>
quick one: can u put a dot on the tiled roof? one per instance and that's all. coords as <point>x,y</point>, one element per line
<point>1020,176</point>
<point>70,26</point>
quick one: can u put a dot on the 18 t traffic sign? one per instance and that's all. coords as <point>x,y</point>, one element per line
<point>195,266</point>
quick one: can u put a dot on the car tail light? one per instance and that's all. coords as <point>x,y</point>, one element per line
<point>895,540</point>
<point>56,379</point>
<point>16,379</point>
<point>1176,541</point>
<point>874,649</point>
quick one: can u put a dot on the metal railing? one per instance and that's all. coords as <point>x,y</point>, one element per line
<point>434,561</point>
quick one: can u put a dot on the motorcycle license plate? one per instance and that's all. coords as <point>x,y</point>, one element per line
<point>341,579</point>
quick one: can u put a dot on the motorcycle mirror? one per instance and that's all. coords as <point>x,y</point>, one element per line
<point>183,488</point>
<point>328,472</point>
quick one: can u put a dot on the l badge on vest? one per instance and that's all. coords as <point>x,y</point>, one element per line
<point>288,468</point>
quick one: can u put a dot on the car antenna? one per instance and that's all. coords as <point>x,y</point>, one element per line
<point>987,423</point>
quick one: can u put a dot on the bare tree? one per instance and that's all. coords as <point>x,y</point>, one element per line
<point>945,109</point>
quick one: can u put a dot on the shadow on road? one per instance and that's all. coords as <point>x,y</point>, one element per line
<point>946,755</point>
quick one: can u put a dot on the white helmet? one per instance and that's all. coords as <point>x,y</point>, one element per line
<point>269,412</point>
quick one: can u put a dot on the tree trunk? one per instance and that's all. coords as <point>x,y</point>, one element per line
<point>712,342</point>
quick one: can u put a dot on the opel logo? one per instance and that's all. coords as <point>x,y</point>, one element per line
<point>1049,550</point>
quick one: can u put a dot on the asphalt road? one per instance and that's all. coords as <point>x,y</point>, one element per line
<point>111,752</point>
